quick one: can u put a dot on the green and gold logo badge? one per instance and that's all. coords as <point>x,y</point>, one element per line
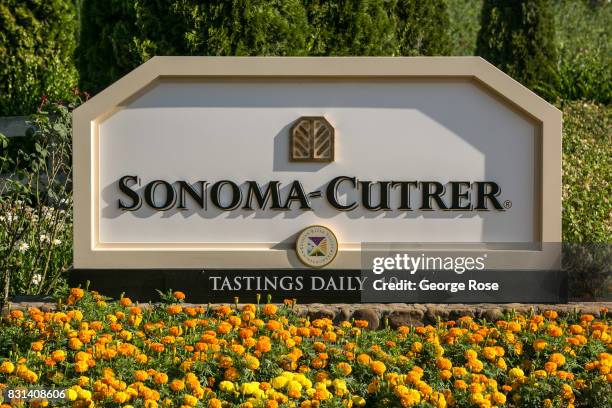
<point>316,246</point>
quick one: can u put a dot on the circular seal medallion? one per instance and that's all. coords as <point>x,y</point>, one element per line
<point>316,246</point>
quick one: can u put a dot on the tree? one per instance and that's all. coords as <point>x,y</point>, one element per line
<point>352,27</point>
<point>423,27</point>
<point>106,49</point>
<point>37,42</point>
<point>518,37</point>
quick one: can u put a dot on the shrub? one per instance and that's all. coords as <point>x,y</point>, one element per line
<point>587,172</point>
<point>36,207</point>
<point>584,30</point>
<point>519,38</point>
<point>37,41</point>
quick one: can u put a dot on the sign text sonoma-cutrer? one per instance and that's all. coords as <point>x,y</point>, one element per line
<point>228,195</point>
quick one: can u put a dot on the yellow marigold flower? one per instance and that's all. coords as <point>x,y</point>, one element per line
<point>499,398</point>
<point>7,367</point>
<point>190,400</point>
<point>81,366</point>
<point>378,367</point>
<point>250,388</point>
<point>516,373</point>
<point>251,362</point>
<point>490,353</point>
<point>411,398</point>
<point>71,394</point>
<point>470,354</point>
<point>120,397</point>
<point>226,386</point>
<point>279,382</point>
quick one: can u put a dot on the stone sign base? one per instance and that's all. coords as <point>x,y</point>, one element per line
<point>394,315</point>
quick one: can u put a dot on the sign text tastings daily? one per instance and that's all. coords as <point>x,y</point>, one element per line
<point>228,195</point>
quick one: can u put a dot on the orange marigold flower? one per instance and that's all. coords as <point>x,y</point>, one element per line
<point>378,367</point>
<point>160,378</point>
<point>174,309</point>
<point>269,309</point>
<point>361,323</point>
<point>77,293</point>
<point>557,358</point>
<point>177,385</point>
<point>125,301</point>
<point>178,295</point>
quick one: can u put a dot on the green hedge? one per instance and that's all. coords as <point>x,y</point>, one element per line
<point>118,35</point>
<point>37,42</point>
<point>587,172</point>
<point>584,40</point>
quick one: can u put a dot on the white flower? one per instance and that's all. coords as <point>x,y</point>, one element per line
<point>57,241</point>
<point>22,247</point>
<point>36,278</point>
<point>44,239</point>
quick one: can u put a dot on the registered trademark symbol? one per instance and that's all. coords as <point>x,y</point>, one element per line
<point>507,204</point>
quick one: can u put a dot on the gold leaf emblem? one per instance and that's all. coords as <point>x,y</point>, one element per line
<point>312,140</point>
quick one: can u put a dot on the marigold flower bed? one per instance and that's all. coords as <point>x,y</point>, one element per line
<point>121,354</point>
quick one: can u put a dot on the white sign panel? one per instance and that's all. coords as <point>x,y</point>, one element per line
<point>222,162</point>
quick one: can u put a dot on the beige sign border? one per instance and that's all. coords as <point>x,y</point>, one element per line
<point>90,253</point>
